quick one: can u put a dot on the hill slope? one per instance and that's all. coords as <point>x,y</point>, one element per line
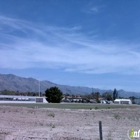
<point>14,83</point>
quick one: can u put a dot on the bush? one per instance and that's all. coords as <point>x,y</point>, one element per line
<point>52,115</point>
<point>96,107</point>
<point>116,116</point>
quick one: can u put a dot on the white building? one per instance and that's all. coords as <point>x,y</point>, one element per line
<point>122,101</point>
<point>22,99</point>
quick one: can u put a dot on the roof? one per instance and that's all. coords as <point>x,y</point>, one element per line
<point>16,96</point>
<point>122,100</point>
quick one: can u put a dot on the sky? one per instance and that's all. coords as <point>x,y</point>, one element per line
<point>92,43</point>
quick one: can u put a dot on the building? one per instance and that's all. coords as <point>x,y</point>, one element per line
<point>22,99</point>
<point>122,101</point>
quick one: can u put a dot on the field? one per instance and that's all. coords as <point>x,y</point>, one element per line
<point>72,106</point>
<point>67,121</point>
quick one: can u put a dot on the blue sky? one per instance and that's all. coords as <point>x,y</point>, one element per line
<point>94,43</point>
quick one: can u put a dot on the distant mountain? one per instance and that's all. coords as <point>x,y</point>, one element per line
<point>16,83</point>
<point>123,93</point>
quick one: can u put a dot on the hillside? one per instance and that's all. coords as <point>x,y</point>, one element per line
<point>14,83</point>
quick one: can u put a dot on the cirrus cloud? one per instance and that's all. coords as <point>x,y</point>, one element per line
<point>26,45</point>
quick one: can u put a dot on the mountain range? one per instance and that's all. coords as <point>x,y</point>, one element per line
<point>16,83</point>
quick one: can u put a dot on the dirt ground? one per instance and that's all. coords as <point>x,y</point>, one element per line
<point>21,123</point>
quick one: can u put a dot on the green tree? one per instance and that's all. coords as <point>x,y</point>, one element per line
<point>115,94</point>
<point>107,96</point>
<point>53,94</point>
<point>96,96</point>
<point>132,99</point>
<point>7,92</point>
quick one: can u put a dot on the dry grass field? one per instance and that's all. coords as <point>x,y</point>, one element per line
<point>22,123</point>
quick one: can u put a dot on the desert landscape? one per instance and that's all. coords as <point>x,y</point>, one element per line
<point>22,123</point>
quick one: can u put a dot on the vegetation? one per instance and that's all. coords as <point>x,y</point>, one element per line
<point>54,95</point>
<point>132,99</point>
<point>96,96</point>
<point>71,106</point>
<point>52,115</point>
<point>117,116</point>
<point>115,94</point>
<point>107,96</point>
<point>9,92</point>
<point>96,107</point>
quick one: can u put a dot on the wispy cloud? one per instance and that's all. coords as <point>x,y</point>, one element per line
<point>94,9</point>
<point>26,45</point>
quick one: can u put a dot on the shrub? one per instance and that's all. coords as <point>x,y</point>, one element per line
<point>117,116</point>
<point>52,115</point>
<point>96,107</point>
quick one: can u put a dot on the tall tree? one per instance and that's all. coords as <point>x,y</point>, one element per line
<point>115,94</point>
<point>54,95</point>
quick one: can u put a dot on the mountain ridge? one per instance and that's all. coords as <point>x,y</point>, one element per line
<point>22,84</point>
